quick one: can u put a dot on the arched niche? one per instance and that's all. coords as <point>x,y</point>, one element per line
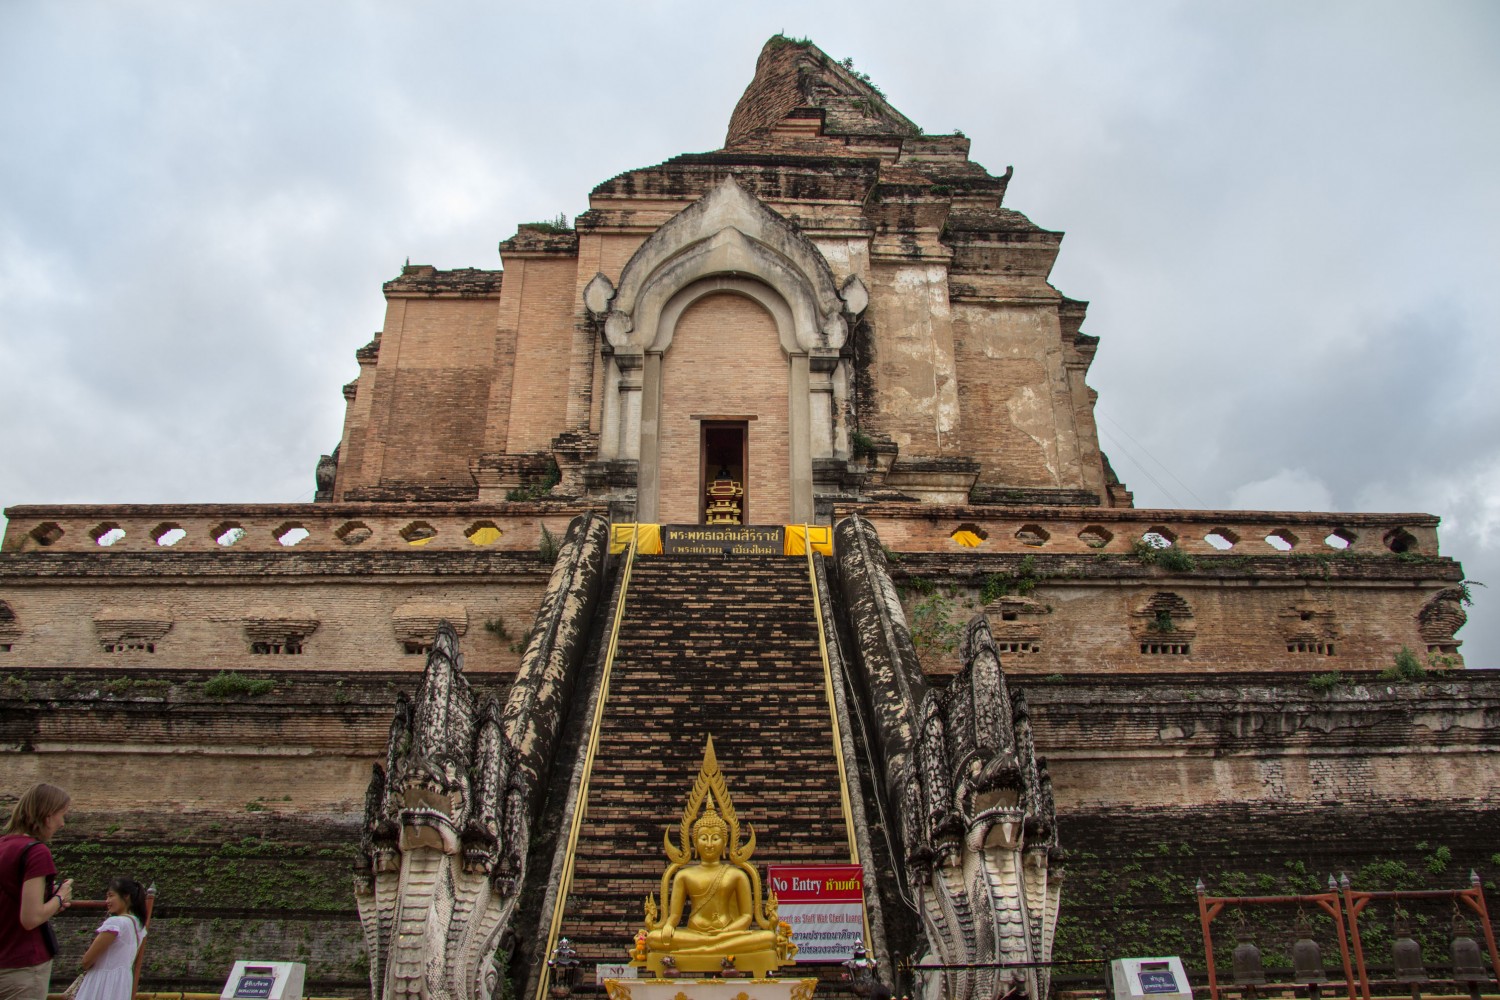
<point>727,242</point>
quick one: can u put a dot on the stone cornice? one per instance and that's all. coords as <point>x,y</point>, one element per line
<point>50,568</point>
<point>425,281</point>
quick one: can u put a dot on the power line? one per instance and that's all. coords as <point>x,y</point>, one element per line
<point>1120,449</point>
<point>1158,461</point>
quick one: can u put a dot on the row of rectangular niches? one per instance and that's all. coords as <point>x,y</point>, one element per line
<point>1095,536</point>
<point>296,646</point>
<point>288,534</point>
<point>290,645</point>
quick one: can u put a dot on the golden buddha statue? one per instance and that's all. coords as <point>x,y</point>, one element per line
<point>720,893</point>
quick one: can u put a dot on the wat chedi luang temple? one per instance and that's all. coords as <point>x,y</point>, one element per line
<point>767,495</point>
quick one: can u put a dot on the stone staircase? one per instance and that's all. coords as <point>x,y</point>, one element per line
<point>718,646</point>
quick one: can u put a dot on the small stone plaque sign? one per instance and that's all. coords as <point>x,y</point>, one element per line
<point>254,987</point>
<point>734,540</point>
<point>1153,981</point>
<point>603,972</point>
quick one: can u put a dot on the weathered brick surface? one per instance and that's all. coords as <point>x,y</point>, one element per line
<point>228,887</point>
<point>363,606</point>
<point>357,410</point>
<point>430,391</point>
<point>1182,742</point>
<point>1131,873</point>
<point>915,383</point>
<point>138,740</point>
<point>798,81</point>
<point>725,361</point>
<point>969,353</point>
<point>907,527</point>
<point>242,808</point>
<point>548,311</point>
<point>1014,395</point>
<point>1092,614</point>
<point>708,647</point>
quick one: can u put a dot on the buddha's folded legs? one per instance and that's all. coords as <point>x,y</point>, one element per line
<point>685,942</point>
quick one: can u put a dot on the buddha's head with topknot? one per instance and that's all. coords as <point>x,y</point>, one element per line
<point>710,833</point>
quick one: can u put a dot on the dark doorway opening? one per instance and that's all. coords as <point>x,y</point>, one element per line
<point>724,456</point>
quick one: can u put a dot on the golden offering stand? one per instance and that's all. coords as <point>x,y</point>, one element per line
<point>715,919</point>
<point>723,502</point>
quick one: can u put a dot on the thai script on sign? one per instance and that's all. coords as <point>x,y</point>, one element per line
<point>825,904</point>
<point>749,540</point>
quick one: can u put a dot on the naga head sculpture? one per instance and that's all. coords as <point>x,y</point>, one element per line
<point>427,783</point>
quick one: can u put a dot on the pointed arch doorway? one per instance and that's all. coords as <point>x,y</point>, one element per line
<point>725,245</point>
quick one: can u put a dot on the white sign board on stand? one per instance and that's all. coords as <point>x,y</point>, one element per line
<point>825,904</point>
<point>1150,979</point>
<point>264,981</point>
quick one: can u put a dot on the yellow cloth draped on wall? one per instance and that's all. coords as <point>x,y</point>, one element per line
<point>799,536</point>
<point>646,536</point>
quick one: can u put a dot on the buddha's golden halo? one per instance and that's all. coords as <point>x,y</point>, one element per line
<point>710,798</point>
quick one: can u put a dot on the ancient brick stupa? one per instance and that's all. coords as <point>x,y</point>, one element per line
<point>788,444</point>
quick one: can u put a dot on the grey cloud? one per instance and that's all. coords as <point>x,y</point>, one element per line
<point>1285,217</point>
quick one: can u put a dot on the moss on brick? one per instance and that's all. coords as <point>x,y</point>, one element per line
<point>227,888</point>
<point>1130,883</point>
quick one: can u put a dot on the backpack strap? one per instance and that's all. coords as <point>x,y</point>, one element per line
<point>21,875</point>
<point>21,868</point>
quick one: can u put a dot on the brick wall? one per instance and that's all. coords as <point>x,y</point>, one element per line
<point>1093,614</point>
<point>912,374</point>
<point>725,359</point>
<point>246,886</point>
<point>357,409</point>
<point>431,389</point>
<point>1013,394</point>
<point>1188,741</point>
<point>364,609</point>
<point>539,401</point>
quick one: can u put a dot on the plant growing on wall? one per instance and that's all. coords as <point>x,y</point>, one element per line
<point>1168,557</point>
<point>548,547</point>
<point>1324,683</point>
<point>539,488</point>
<point>1405,667</point>
<point>550,226</point>
<point>932,626</point>
<point>228,684</point>
<point>1162,623</point>
<point>1021,582</point>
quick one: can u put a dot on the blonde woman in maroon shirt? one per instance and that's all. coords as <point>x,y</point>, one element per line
<point>28,898</point>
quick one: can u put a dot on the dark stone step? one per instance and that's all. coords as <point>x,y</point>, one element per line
<point>707,647</point>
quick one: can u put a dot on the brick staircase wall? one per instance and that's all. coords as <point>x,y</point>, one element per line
<point>708,646</point>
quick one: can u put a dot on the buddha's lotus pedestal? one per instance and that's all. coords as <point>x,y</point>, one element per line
<point>710,989</point>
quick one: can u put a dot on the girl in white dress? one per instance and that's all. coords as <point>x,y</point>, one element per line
<point>109,964</point>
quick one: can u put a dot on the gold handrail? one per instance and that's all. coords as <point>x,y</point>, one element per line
<point>833,715</point>
<point>833,718</point>
<point>565,882</point>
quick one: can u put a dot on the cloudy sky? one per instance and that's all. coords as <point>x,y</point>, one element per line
<point>1286,217</point>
